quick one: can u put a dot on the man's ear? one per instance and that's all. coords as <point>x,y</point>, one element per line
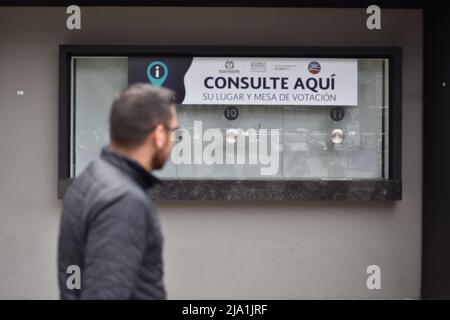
<point>159,136</point>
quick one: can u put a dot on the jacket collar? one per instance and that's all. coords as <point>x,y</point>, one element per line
<point>131,167</point>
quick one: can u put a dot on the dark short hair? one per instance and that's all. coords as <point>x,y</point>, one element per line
<point>136,111</point>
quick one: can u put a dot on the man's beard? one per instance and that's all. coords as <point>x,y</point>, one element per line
<point>159,160</point>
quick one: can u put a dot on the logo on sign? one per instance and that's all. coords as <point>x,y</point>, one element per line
<point>258,67</point>
<point>229,65</point>
<point>314,67</point>
<point>157,72</point>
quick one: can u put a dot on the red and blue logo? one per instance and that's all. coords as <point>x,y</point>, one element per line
<point>314,67</point>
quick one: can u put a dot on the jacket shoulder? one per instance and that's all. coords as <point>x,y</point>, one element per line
<point>101,183</point>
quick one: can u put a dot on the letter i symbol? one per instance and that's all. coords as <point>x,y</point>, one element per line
<point>159,78</point>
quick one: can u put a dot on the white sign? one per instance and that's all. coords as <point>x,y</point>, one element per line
<point>271,81</point>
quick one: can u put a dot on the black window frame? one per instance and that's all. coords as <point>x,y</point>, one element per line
<point>358,189</point>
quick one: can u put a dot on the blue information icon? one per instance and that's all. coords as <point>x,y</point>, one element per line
<point>157,72</point>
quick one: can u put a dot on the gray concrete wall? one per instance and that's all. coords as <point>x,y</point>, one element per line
<point>213,249</point>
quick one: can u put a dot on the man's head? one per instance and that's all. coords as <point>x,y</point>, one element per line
<point>141,124</point>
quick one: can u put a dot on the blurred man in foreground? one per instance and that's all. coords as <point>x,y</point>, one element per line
<point>110,229</point>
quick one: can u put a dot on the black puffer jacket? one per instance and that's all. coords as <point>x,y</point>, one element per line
<point>110,229</point>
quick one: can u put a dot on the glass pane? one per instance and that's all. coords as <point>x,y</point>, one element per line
<point>95,83</point>
<point>249,142</point>
<point>310,153</point>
